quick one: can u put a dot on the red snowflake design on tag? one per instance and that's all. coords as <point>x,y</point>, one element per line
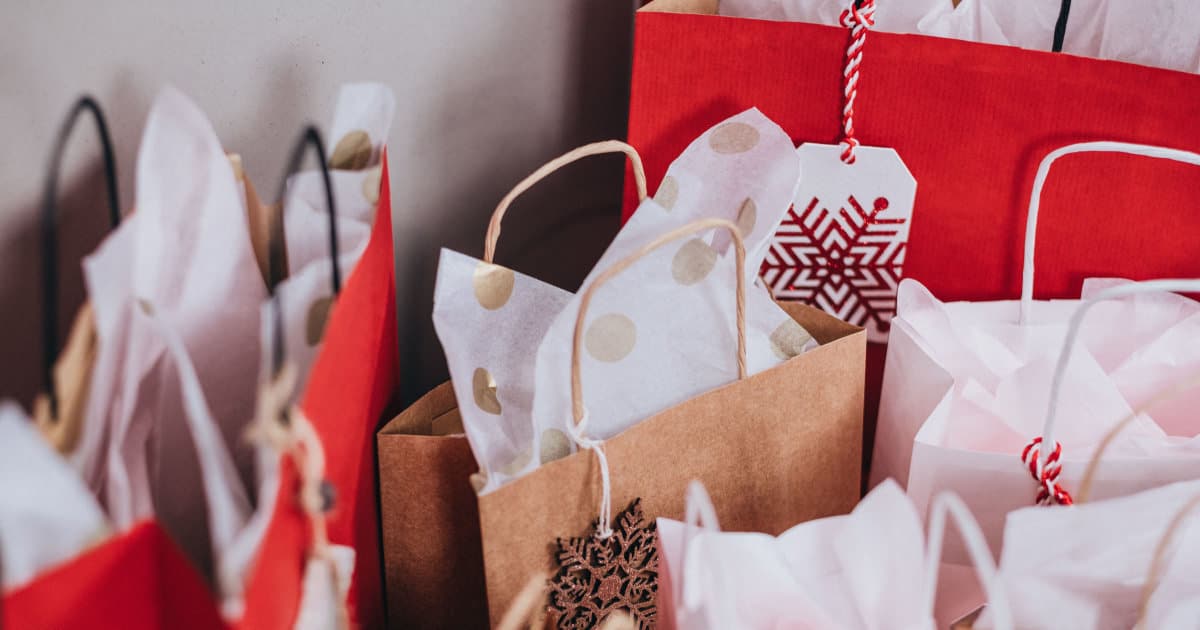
<point>846,262</point>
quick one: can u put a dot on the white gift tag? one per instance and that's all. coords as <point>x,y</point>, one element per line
<point>841,246</point>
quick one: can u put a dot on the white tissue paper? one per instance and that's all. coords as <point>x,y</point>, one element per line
<point>47,515</point>
<point>491,321</point>
<point>890,16</point>
<point>966,388</point>
<point>361,122</point>
<point>865,570</point>
<point>184,255</point>
<point>1157,33</point>
<point>1084,566</point>
<point>664,330</point>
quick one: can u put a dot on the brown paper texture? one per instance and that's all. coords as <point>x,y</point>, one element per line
<point>698,7</point>
<point>433,564</point>
<point>795,432</point>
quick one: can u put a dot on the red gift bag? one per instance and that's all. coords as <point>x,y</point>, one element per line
<point>351,383</point>
<point>971,121</point>
<point>139,580</point>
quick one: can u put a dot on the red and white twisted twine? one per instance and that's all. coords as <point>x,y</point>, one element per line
<point>1047,477</point>
<point>858,19</point>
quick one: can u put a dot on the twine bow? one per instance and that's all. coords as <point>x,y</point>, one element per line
<point>288,431</point>
<point>1049,490</point>
<point>577,430</point>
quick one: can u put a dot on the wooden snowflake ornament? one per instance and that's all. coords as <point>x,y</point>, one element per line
<point>598,576</point>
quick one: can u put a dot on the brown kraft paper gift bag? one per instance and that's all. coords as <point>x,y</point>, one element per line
<point>433,564</point>
<point>433,570</point>
<point>776,448</point>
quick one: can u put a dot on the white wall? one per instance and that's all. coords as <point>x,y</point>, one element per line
<point>487,90</point>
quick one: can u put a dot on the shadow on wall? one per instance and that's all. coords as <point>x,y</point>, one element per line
<point>82,219</point>
<point>82,222</point>
<point>555,231</point>
<point>525,84</point>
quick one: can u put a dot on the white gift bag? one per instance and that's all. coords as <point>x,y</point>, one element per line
<point>967,386</point>
<point>1093,566</point>
<point>1112,563</point>
<point>1171,593</point>
<point>869,569</point>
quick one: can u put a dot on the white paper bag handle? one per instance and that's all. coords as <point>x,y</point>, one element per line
<point>1154,572</point>
<point>1039,182</point>
<point>595,148</point>
<point>949,504</point>
<point>1133,288</point>
<point>699,513</point>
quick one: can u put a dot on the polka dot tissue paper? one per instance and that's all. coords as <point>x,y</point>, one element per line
<point>659,333</point>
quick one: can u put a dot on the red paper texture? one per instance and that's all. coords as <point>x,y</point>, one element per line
<point>138,580</point>
<point>352,382</point>
<point>971,121</point>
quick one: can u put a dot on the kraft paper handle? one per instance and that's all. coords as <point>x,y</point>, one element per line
<point>595,148</point>
<point>309,137</point>
<point>1039,181</point>
<point>585,300</point>
<point>1153,574</point>
<point>948,504</point>
<point>49,232</point>
<point>1089,474</point>
<point>1073,325</point>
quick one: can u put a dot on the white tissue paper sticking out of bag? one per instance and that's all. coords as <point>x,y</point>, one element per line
<point>1157,33</point>
<point>361,123</point>
<point>47,515</point>
<point>1084,566</point>
<point>664,330</point>
<point>184,256</point>
<point>865,570</point>
<point>890,16</point>
<point>1002,368</point>
<point>491,320</point>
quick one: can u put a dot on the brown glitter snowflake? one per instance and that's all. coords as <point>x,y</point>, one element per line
<point>597,576</point>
